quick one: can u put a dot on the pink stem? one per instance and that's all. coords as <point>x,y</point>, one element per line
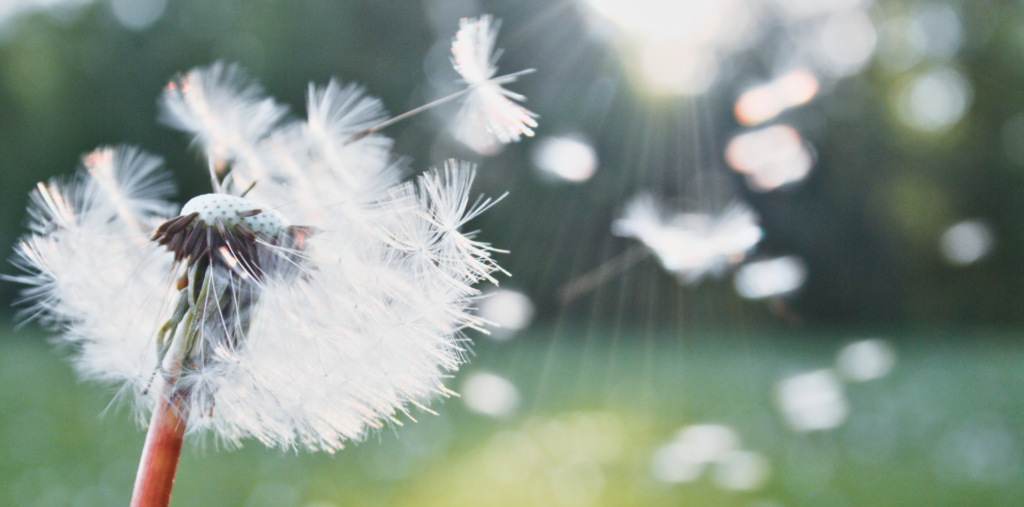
<point>159,459</point>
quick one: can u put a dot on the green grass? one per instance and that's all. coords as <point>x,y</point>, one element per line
<point>946,427</point>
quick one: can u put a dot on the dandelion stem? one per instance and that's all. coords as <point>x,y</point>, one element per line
<point>603,273</point>
<point>365,132</point>
<point>159,460</point>
<point>214,180</point>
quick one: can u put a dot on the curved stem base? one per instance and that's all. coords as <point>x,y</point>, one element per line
<point>160,455</point>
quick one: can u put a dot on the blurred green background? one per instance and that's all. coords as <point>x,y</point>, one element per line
<point>915,127</point>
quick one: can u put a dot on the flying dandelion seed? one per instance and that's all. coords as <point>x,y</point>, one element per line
<point>691,245</point>
<point>489,115</point>
<point>488,118</point>
<point>233,319</point>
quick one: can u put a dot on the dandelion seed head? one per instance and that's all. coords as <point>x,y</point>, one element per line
<point>300,336</point>
<point>231,210</point>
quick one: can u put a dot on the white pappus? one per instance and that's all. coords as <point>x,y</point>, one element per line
<point>691,245</point>
<point>314,296</point>
<point>489,116</point>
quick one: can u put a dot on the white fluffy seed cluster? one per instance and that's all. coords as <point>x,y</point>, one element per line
<point>369,330</point>
<point>691,245</point>
<point>233,210</point>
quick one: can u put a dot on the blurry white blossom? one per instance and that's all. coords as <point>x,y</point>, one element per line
<point>320,305</point>
<point>488,116</point>
<point>691,245</point>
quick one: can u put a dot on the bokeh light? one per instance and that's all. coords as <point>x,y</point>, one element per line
<point>694,447</point>
<point>551,461</point>
<point>683,45</point>
<point>672,463</point>
<point>272,493</point>
<point>846,42</point>
<point>708,442</point>
<point>769,278</point>
<point>765,102</point>
<point>898,51</point>
<point>12,9</point>
<point>771,157</point>
<point>1012,137</point>
<point>512,311</point>
<point>742,471</point>
<point>812,401</point>
<point>567,158</point>
<point>935,100</point>
<point>931,32</point>
<point>905,112</point>
<point>137,14</point>
<point>679,42</point>
<point>489,394</point>
<point>674,68</point>
<point>979,450</point>
<point>967,242</point>
<point>865,360</point>
<point>810,8</point>
<point>936,31</point>
<point>685,20</point>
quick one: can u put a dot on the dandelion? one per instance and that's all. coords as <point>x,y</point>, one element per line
<point>311,299</point>
<point>488,116</point>
<point>691,245</point>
